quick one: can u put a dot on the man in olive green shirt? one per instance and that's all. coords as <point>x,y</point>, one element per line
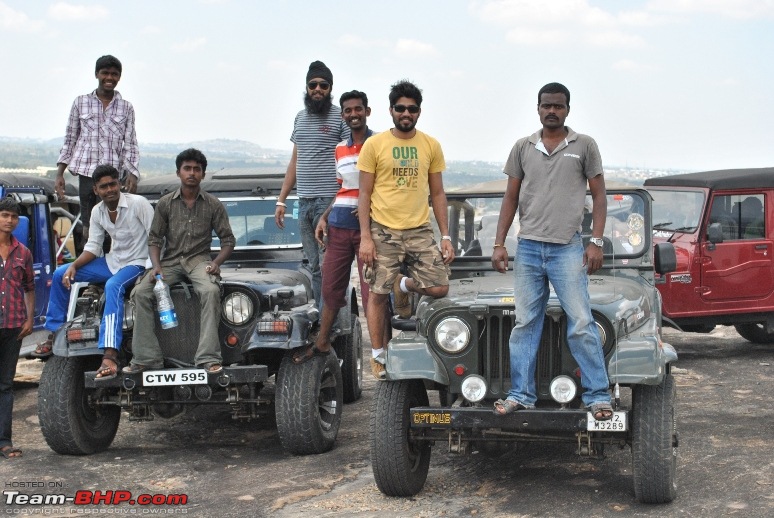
<point>183,222</point>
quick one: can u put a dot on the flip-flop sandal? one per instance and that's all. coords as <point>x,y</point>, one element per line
<point>601,411</point>
<point>213,367</point>
<point>105,371</point>
<point>508,406</point>
<point>308,353</point>
<point>43,349</point>
<point>6,452</point>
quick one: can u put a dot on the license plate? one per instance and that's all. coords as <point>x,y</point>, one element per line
<point>174,377</point>
<point>616,424</point>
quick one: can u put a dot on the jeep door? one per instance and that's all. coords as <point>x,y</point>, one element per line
<point>739,269</point>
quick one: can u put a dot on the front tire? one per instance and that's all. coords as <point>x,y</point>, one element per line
<point>654,442</point>
<point>350,349</point>
<point>309,401</point>
<point>400,464</point>
<point>755,333</point>
<point>70,424</point>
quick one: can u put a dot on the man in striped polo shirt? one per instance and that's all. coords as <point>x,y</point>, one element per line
<point>317,130</point>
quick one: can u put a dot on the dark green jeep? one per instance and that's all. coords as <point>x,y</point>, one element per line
<point>458,346</point>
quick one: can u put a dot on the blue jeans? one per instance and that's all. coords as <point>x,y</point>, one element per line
<point>309,212</point>
<point>9,354</point>
<point>535,264</point>
<point>111,329</point>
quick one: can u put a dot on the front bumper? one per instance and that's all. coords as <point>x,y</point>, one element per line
<point>482,418</point>
<point>239,374</point>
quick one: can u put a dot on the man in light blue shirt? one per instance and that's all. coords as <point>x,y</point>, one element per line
<point>127,219</point>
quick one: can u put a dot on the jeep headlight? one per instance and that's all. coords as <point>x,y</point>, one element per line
<point>237,308</point>
<point>452,335</point>
<point>474,388</point>
<point>128,324</point>
<point>563,389</point>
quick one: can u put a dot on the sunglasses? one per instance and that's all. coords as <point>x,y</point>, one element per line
<point>314,84</point>
<point>400,108</point>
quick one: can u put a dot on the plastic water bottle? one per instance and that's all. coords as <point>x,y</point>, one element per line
<point>164,304</point>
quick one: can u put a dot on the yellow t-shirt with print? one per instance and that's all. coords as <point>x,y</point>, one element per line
<point>401,167</point>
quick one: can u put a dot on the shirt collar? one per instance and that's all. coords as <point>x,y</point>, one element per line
<point>537,139</point>
<point>116,95</point>
<point>179,191</point>
<point>351,142</point>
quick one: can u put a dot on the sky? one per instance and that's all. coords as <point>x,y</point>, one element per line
<point>659,84</point>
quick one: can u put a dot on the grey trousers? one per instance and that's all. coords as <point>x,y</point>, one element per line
<point>145,345</point>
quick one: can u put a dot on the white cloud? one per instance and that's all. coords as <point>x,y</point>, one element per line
<point>190,44</point>
<point>151,29</point>
<point>414,48</point>
<point>528,22</point>
<point>18,21</point>
<point>739,9</point>
<point>63,11</point>
<point>614,39</point>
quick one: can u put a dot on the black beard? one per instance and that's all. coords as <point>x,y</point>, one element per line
<point>318,107</point>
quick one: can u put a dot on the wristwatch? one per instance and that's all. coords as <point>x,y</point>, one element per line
<point>597,241</point>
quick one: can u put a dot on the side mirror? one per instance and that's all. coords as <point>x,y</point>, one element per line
<point>715,233</point>
<point>664,258</point>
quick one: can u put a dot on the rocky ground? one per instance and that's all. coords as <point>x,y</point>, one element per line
<point>227,468</point>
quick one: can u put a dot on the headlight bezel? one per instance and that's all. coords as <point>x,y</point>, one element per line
<point>567,382</point>
<point>465,387</point>
<point>458,326</point>
<point>245,312</point>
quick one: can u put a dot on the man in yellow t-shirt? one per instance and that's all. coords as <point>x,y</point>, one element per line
<point>399,169</point>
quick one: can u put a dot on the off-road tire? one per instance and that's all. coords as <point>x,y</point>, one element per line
<point>755,333</point>
<point>349,349</point>
<point>69,424</point>
<point>400,465</point>
<point>654,442</point>
<point>308,404</point>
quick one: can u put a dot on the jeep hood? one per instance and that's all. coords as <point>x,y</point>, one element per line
<point>617,298</point>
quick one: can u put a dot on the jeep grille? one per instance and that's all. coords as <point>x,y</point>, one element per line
<point>494,333</point>
<point>181,342</point>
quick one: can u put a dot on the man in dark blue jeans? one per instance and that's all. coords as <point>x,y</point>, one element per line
<point>17,311</point>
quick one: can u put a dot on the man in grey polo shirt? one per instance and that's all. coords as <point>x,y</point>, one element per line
<point>547,177</point>
<point>317,130</point>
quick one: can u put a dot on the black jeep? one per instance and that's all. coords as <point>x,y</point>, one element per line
<point>267,312</point>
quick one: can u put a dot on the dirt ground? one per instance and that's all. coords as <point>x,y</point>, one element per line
<point>227,468</point>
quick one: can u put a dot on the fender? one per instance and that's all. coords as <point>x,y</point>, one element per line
<point>409,357</point>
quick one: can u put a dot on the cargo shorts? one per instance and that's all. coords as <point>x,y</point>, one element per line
<point>416,247</point>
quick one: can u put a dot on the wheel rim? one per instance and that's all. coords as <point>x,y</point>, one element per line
<point>326,400</point>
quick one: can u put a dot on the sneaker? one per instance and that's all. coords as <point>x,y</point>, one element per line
<point>377,367</point>
<point>401,302</point>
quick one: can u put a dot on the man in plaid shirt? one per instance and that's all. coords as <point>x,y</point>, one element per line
<point>17,311</point>
<point>100,130</point>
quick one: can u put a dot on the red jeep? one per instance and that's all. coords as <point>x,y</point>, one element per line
<point>722,226</point>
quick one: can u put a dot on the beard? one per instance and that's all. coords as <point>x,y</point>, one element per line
<point>400,125</point>
<point>318,107</point>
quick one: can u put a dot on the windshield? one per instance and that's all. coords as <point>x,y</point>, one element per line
<point>473,225</point>
<point>677,210</point>
<point>252,221</point>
